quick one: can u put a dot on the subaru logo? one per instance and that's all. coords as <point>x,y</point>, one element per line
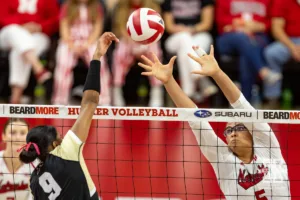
<point>203,113</point>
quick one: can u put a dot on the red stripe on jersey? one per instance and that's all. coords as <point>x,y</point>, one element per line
<point>136,20</point>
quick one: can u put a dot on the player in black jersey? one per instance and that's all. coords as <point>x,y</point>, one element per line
<point>62,173</point>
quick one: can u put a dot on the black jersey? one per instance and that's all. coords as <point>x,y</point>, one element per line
<point>64,175</point>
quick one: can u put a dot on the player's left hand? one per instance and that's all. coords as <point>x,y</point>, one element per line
<point>209,65</point>
<point>104,42</point>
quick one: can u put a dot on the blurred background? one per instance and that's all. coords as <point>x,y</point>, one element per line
<point>45,47</point>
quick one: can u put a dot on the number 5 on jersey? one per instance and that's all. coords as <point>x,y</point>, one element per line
<point>49,185</point>
<point>260,195</point>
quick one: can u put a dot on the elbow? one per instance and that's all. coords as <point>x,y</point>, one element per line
<point>275,33</point>
<point>90,97</point>
<point>208,26</point>
<point>169,29</point>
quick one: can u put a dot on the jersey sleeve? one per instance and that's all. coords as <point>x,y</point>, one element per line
<point>279,8</point>
<point>70,148</point>
<point>262,134</point>
<point>212,147</point>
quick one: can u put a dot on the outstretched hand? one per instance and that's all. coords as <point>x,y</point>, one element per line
<point>157,69</point>
<point>210,66</point>
<point>103,44</point>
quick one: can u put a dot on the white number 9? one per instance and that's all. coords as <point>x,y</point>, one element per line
<point>49,185</point>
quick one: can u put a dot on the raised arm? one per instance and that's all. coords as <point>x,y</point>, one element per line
<point>164,74</point>
<point>92,88</point>
<point>206,138</point>
<point>211,68</point>
<point>262,133</point>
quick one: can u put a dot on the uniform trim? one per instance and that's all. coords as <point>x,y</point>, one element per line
<point>74,136</point>
<point>92,192</point>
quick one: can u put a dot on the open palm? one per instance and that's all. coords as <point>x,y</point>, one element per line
<point>157,69</point>
<point>209,65</point>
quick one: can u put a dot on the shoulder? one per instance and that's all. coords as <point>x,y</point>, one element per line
<point>70,147</point>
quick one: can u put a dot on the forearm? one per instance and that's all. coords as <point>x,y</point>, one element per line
<point>171,27</point>
<point>282,37</point>
<point>259,27</point>
<point>90,97</point>
<point>92,84</point>
<point>97,55</point>
<point>89,101</point>
<point>64,30</point>
<point>202,27</point>
<point>229,89</point>
<point>206,20</point>
<point>180,99</point>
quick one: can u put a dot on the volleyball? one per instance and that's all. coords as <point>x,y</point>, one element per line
<point>145,26</point>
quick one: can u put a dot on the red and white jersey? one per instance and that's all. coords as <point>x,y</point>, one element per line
<point>82,26</point>
<point>14,186</point>
<point>265,178</point>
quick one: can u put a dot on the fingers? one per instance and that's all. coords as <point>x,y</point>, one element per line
<point>212,51</point>
<point>172,60</point>
<point>146,67</point>
<point>197,72</point>
<point>197,59</point>
<point>110,36</point>
<point>200,52</point>
<point>155,57</point>
<point>147,60</point>
<point>147,73</point>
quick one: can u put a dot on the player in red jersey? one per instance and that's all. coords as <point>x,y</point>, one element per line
<point>250,166</point>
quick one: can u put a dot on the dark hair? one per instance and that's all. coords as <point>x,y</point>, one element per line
<point>42,136</point>
<point>12,121</point>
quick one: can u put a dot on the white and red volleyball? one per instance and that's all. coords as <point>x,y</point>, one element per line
<point>145,26</point>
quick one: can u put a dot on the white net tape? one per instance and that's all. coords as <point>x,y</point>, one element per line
<point>153,114</point>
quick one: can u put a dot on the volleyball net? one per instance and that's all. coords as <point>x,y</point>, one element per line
<point>152,153</point>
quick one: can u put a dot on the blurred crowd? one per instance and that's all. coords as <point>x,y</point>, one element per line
<point>263,35</point>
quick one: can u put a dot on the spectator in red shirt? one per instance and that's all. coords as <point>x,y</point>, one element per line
<point>243,26</point>
<point>285,29</point>
<point>25,29</point>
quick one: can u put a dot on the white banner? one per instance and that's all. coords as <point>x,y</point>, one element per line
<point>154,114</point>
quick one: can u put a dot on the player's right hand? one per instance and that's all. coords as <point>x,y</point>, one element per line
<point>209,65</point>
<point>155,68</point>
<point>104,42</point>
